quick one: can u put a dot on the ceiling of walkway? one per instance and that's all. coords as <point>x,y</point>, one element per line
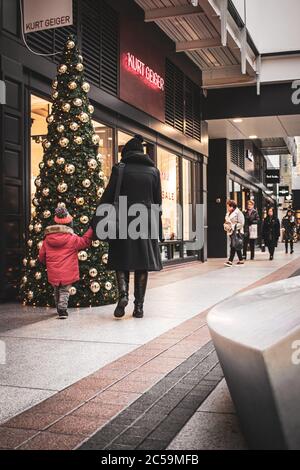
<point>196,31</point>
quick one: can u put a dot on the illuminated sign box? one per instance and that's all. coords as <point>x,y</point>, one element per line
<point>284,191</point>
<point>272,176</point>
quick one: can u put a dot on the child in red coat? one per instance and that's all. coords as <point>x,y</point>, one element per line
<point>59,253</point>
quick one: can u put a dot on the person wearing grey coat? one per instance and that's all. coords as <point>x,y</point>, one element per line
<point>234,220</point>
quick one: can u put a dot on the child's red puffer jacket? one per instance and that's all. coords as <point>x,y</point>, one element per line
<point>59,253</point>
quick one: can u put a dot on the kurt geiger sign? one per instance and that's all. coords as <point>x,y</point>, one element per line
<point>44,14</point>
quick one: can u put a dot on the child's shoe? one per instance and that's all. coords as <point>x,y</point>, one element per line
<point>62,314</point>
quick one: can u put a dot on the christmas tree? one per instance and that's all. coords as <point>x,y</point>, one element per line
<point>70,173</point>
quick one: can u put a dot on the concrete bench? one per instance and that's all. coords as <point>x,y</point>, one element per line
<point>257,339</point>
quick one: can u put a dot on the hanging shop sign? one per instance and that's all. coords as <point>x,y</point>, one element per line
<point>284,191</point>
<point>42,14</point>
<point>142,68</point>
<point>272,176</point>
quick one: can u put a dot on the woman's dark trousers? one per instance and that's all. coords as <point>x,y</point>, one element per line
<point>251,242</point>
<point>233,251</point>
<point>287,245</point>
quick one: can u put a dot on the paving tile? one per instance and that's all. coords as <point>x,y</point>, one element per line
<point>56,405</point>
<point>51,441</point>
<point>74,425</point>
<point>152,444</point>
<point>98,409</point>
<point>118,398</point>
<point>11,438</point>
<point>128,385</point>
<point>32,420</point>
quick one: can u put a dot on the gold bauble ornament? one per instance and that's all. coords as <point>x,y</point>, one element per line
<point>46,144</point>
<point>25,261</point>
<point>84,219</point>
<point>82,255</point>
<point>30,228</point>
<point>38,182</point>
<point>50,118</point>
<point>46,192</point>
<point>32,263</point>
<point>62,187</point>
<point>24,279</point>
<point>72,290</point>
<point>69,169</point>
<point>41,165</point>
<point>38,227</point>
<point>86,87</point>
<point>80,58</point>
<point>63,142</point>
<point>46,214</point>
<point>100,191</point>
<point>70,44</point>
<point>86,183</point>
<point>92,163</point>
<point>91,108</point>
<point>78,140</point>
<point>95,287</point>
<point>79,201</point>
<point>66,107</point>
<point>99,157</point>
<point>77,102</point>
<point>95,139</point>
<point>101,174</point>
<point>54,84</point>
<point>30,243</point>
<point>84,117</point>
<point>60,128</point>
<point>50,163</point>
<point>38,275</point>
<point>95,243</point>
<point>35,202</point>
<point>61,204</point>
<point>60,161</point>
<point>93,272</point>
<point>40,244</point>
<point>105,258</point>
<point>72,85</point>
<point>74,126</point>
<point>79,67</point>
<point>62,68</point>
<point>30,295</point>
<point>108,285</point>
<point>54,94</point>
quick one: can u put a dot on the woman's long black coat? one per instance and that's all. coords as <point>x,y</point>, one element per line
<point>141,184</point>
<point>271,231</point>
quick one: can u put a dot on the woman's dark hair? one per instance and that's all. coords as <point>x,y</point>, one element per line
<point>231,203</point>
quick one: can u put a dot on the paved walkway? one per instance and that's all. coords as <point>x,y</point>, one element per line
<point>63,380</point>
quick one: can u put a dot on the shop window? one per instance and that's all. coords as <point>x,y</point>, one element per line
<point>168,164</point>
<point>40,109</point>
<point>187,199</point>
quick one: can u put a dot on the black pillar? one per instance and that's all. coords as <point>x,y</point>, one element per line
<point>217,185</point>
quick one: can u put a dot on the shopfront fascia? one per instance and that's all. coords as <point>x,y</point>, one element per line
<point>28,80</point>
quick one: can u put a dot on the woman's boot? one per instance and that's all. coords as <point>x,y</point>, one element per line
<point>123,287</point>
<point>140,285</point>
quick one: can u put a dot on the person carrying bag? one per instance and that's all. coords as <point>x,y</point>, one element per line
<point>234,227</point>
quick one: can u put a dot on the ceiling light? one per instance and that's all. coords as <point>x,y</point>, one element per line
<point>194,3</point>
<point>237,120</point>
<point>252,136</point>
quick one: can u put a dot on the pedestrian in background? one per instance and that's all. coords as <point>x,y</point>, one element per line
<point>250,229</point>
<point>271,231</point>
<point>289,229</point>
<point>234,227</point>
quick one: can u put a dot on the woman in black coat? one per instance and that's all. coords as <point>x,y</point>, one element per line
<point>141,184</point>
<point>271,231</point>
<point>289,226</point>
<point>251,219</point>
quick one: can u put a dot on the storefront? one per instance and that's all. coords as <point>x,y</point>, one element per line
<point>143,101</point>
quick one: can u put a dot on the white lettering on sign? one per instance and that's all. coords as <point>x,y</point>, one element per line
<point>45,15</point>
<point>140,68</point>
